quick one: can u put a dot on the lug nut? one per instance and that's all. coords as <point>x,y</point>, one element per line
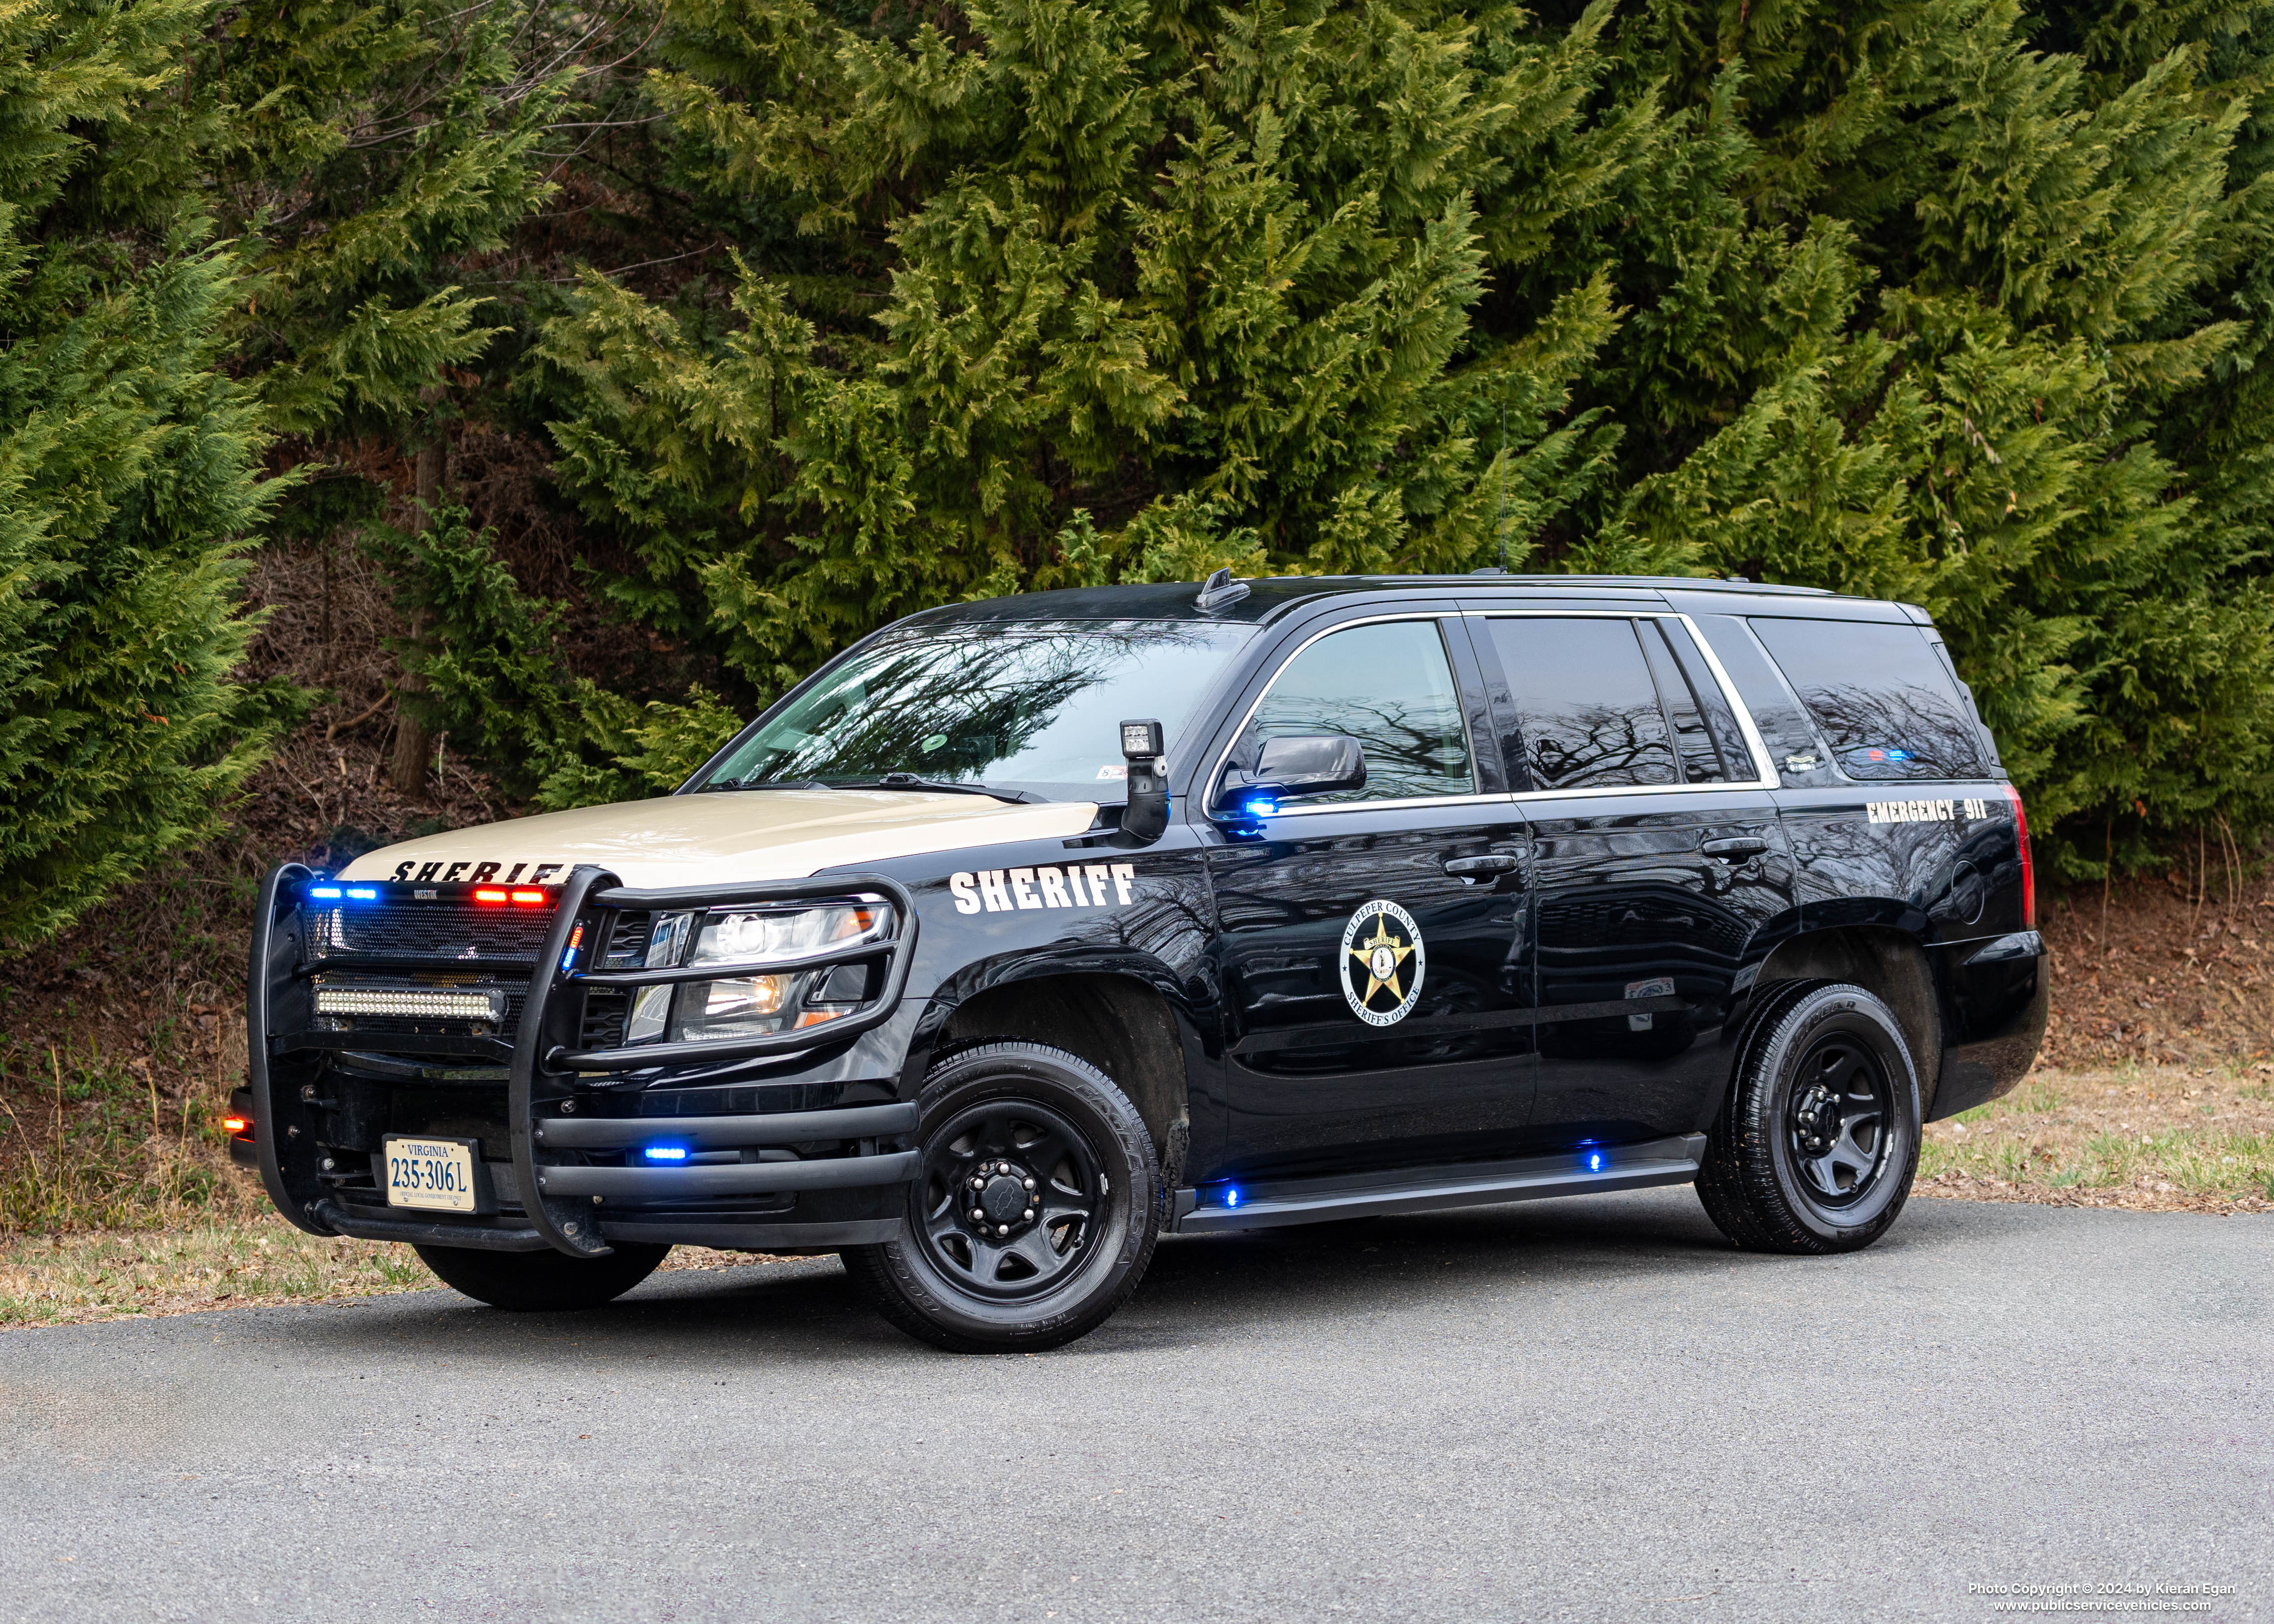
<point>1002,1229</point>
<point>1030,1184</point>
<point>1002,1167</point>
<point>977,1216</point>
<point>1029,1214</point>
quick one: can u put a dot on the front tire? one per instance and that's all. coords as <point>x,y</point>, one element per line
<point>1034,1217</point>
<point>542,1282</point>
<point>1817,1144</point>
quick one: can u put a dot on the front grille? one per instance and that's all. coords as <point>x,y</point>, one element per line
<point>605,1011</point>
<point>449,933</point>
<point>471,947</point>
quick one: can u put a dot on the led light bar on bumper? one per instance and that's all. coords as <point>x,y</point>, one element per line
<point>432,1002</point>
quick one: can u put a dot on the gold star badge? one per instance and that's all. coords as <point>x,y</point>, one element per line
<point>1381,955</point>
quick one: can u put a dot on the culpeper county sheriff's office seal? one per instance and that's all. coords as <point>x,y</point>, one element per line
<point>1382,963</point>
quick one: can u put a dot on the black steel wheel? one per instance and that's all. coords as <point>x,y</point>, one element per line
<point>1012,1198</point>
<point>543,1281</point>
<point>1818,1140</point>
<point>1836,1121</point>
<point>1032,1219</point>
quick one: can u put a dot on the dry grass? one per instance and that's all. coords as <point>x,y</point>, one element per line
<point>2163,1139</point>
<point>124,1274</point>
<point>117,1274</point>
<point>89,1141</point>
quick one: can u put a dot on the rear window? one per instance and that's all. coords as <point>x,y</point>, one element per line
<point>1888,708</point>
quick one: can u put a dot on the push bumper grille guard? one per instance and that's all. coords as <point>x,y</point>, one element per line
<point>543,1070</point>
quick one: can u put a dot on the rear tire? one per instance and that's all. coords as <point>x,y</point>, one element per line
<point>1034,1215</point>
<point>1818,1142</point>
<point>542,1282</point>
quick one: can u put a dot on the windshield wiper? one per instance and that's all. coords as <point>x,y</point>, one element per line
<point>763,783</point>
<point>908,781</point>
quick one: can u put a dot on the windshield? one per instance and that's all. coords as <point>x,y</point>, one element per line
<point>1034,708</point>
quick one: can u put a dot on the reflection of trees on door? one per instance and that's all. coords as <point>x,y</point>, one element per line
<point>1411,748</point>
<point>1390,688</point>
<point>1917,733</point>
<point>1582,745</point>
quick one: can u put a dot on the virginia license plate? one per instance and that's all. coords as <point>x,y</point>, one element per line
<point>436,1175</point>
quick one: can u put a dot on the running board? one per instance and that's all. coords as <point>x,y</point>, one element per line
<point>1267,1203</point>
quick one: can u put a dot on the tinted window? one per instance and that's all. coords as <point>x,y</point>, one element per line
<point>1887,706</point>
<point>1387,686</point>
<point>1587,702</point>
<point>1036,707</point>
<point>1693,741</point>
<point>1792,742</point>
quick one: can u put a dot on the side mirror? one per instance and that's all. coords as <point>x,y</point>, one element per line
<point>1304,764</point>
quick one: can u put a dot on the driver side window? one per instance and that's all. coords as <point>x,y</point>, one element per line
<point>1389,687</point>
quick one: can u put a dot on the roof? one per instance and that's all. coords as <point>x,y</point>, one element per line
<point>1273,597</point>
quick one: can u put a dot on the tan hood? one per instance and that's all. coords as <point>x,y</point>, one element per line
<point>717,838</point>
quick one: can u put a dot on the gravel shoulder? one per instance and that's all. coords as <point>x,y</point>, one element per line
<point>1582,1409</point>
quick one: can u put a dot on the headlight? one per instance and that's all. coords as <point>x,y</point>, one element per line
<point>744,1006</point>
<point>765,936</point>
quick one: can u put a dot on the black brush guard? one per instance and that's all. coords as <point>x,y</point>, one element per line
<point>559,1199</point>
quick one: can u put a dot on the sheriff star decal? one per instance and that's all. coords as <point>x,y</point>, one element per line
<point>1383,961</point>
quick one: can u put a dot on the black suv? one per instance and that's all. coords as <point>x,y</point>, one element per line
<point>1029,929</point>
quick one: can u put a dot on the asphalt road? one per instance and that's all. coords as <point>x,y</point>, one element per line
<point>1584,1409</point>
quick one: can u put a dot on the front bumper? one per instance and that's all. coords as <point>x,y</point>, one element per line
<point>561,1136</point>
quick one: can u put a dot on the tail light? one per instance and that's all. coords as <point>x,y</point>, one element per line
<point>2029,868</point>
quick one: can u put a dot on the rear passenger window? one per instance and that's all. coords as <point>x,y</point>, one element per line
<point>1886,704</point>
<point>1387,686</point>
<point>1585,700</point>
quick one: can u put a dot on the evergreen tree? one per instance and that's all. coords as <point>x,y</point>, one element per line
<point>1918,310</point>
<point>377,156</point>
<point>128,466</point>
<point>1119,289</point>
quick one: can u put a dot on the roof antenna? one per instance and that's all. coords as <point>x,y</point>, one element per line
<point>1503,482</point>
<point>1219,589</point>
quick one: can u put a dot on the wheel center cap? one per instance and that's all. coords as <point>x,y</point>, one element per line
<point>1004,1200</point>
<point>1820,1119</point>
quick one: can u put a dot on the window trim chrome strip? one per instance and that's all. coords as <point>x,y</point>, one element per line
<point>1401,801</point>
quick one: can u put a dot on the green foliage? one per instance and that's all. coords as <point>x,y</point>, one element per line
<point>2002,314</point>
<point>128,472</point>
<point>374,151</point>
<point>1934,299</point>
<point>1920,299</point>
<point>496,681</point>
<point>1210,273</point>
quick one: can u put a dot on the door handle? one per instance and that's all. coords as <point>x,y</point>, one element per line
<point>1735,846</point>
<point>1480,867</point>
